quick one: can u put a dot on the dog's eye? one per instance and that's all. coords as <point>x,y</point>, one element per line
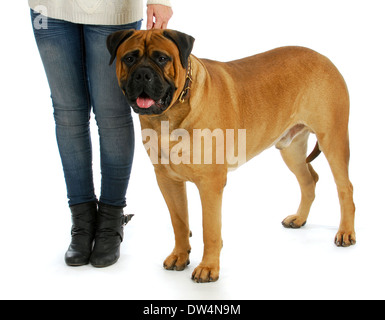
<point>162,60</point>
<point>129,60</point>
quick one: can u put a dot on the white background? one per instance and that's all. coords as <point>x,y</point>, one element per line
<point>260,259</point>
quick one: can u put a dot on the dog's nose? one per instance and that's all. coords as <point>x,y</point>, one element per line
<point>144,75</point>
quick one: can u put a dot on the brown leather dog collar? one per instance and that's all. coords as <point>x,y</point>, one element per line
<point>187,86</point>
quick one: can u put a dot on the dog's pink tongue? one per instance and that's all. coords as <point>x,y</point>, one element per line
<point>144,103</point>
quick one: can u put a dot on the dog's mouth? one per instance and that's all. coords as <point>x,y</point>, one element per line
<point>146,105</point>
<point>146,102</point>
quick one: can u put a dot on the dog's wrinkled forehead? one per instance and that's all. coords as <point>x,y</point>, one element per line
<point>171,41</point>
<point>146,43</point>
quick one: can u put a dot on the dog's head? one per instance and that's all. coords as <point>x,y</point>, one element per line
<point>151,67</point>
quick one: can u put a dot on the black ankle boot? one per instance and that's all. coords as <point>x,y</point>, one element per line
<point>83,233</point>
<point>109,235</point>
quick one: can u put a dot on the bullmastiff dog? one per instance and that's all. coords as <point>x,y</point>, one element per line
<point>276,98</point>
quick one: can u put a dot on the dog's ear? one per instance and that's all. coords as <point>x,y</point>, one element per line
<point>115,39</point>
<point>184,42</point>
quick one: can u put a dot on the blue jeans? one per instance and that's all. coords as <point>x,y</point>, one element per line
<point>76,62</point>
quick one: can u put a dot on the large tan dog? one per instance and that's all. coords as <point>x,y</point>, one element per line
<point>279,97</point>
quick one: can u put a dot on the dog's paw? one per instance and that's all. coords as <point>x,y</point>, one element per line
<point>176,261</point>
<point>205,273</point>
<point>293,222</point>
<point>345,238</point>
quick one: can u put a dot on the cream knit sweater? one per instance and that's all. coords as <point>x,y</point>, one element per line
<point>103,12</point>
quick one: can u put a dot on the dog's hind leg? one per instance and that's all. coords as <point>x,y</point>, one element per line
<point>294,156</point>
<point>335,146</point>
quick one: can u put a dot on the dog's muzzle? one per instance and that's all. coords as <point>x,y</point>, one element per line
<point>147,92</point>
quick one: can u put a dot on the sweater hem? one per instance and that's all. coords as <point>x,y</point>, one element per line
<point>69,12</point>
<point>97,19</point>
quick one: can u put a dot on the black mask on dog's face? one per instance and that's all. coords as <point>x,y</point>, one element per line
<point>151,67</point>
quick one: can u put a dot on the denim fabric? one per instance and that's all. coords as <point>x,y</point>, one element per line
<point>76,62</point>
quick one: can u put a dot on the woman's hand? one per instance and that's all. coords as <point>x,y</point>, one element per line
<point>162,15</point>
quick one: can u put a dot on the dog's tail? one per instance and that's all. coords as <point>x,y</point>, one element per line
<point>314,154</point>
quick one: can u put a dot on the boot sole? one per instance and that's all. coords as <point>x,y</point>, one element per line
<point>99,266</point>
<point>76,264</point>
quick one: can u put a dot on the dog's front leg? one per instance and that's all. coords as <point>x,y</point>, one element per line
<point>174,193</point>
<point>211,191</point>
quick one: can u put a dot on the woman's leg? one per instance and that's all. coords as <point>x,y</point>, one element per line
<point>112,113</point>
<point>116,132</point>
<point>61,47</point>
